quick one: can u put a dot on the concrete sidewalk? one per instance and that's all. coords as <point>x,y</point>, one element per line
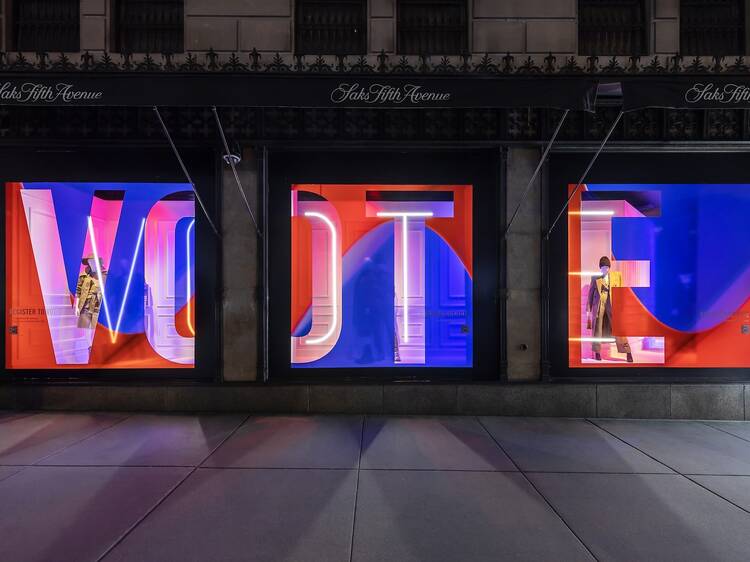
<point>111,486</point>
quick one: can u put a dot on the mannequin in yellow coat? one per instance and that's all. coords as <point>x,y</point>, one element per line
<point>599,309</point>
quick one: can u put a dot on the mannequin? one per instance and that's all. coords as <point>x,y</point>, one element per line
<point>599,309</point>
<point>89,293</point>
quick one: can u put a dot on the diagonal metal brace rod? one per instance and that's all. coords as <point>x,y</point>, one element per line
<point>185,171</point>
<point>536,172</point>
<point>229,158</point>
<point>583,176</point>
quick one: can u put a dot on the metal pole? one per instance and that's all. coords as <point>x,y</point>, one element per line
<point>536,172</point>
<point>583,176</point>
<point>230,159</point>
<point>265,272</point>
<point>184,171</point>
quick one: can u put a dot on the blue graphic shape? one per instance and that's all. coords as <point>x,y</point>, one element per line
<point>72,203</point>
<point>305,324</point>
<point>448,306</point>
<point>698,249</point>
<point>368,320</point>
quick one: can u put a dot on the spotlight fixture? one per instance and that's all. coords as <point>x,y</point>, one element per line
<point>235,154</point>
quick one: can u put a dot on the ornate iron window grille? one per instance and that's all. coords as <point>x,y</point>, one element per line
<point>432,27</point>
<point>45,25</point>
<point>330,27</point>
<point>712,27</point>
<point>149,26</point>
<point>612,27</point>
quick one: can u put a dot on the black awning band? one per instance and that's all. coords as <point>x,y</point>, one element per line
<point>695,92</point>
<point>292,90</point>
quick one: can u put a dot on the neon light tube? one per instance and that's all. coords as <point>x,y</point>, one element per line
<point>593,213</point>
<point>127,285</point>
<point>99,273</point>
<point>392,214</point>
<point>405,268</point>
<point>404,215</point>
<point>189,289</point>
<point>334,277</point>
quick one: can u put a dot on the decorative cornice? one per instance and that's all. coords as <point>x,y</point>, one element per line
<point>381,63</point>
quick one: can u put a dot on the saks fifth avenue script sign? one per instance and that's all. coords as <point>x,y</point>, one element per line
<point>377,94</point>
<point>724,93</point>
<point>34,92</point>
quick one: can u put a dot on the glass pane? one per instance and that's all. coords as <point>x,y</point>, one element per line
<point>381,276</point>
<point>100,275</point>
<point>659,275</point>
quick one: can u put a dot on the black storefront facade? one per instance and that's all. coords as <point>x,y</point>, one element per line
<point>410,138</point>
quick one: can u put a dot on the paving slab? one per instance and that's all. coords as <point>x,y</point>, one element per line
<point>626,517</point>
<point>75,513</point>
<point>736,489</point>
<point>686,446</point>
<point>8,471</point>
<point>292,442</point>
<point>151,440</point>
<point>259,515</point>
<point>28,439</point>
<point>432,443</point>
<point>739,429</point>
<point>566,445</point>
<point>445,516</point>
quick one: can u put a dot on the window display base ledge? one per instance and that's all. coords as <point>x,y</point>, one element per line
<point>662,401</point>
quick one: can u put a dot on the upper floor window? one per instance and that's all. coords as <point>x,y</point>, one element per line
<point>45,25</point>
<point>332,27</point>
<point>149,26</point>
<point>612,27</point>
<point>712,27</point>
<point>432,27</point>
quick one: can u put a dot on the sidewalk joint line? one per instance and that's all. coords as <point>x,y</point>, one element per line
<point>541,495</point>
<point>141,519</point>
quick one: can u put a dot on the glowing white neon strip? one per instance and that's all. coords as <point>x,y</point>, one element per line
<point>99,273</point>
<point>405,268</point>
<point>334,276</point>
<point>593,213</point>
<point>404,214</point>
<point>127,285</point>
<point>586,273</point>
<point>594,340</point>
<point>189,289</point>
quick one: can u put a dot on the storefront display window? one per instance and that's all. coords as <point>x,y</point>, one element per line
<point>381,276</point>
<point>100,275</point>
<point>659,276</point>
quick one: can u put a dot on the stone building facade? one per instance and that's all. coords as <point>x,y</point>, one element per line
<point>501,36</point>
<point>494,26</point>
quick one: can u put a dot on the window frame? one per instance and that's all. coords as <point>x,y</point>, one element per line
<point>300,5</point>
<point>87,164</point>
<point>743,35</point>
<point>479,168</point>
<point>11,29</point>
<point>116,29</point>
<point>646,8</point>
<point>647,167</point>
<point>465,38</point>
